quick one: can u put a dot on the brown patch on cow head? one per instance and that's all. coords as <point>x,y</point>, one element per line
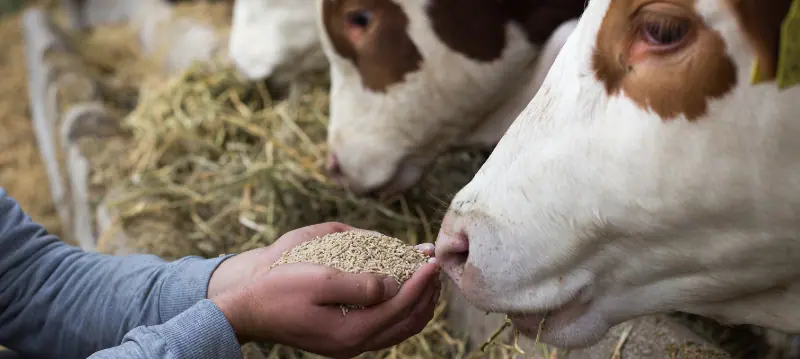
<point>474,28</point>
<point>662,56</point>
<point>761,21</point>
<point>373,35</point>
<point>477,28</point>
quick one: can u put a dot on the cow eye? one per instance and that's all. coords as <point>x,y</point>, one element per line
<point>358,18</point>
<point>666,31</point>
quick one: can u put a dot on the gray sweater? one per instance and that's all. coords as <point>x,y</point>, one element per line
<point>59,302</point>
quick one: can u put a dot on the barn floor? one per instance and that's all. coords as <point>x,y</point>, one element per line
<point>22,172</point>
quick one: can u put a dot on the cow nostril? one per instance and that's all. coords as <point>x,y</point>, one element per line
<point>334,168</point>
<point>278,90</point>
<point>461,243</point>
<point>452,251</point>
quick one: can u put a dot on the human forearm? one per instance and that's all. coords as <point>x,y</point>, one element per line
<point>201,332</point>
<point>59,301</point>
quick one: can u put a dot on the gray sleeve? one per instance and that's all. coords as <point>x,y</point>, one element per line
<point>58,301</point>
<point>210,336</point>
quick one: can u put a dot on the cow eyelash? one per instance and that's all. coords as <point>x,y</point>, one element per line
<point>664,31</point>
<point>359,18</point>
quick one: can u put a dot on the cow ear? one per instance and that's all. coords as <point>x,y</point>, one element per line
<point>761,22</point>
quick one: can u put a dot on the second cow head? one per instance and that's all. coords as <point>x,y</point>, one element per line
<point>412,79</point>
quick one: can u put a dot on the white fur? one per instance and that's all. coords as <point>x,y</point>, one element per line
<point>275,38</point>
<point>590,196</point>
<point>387,139</point>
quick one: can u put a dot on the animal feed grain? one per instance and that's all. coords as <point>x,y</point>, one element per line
<point>359,251</point>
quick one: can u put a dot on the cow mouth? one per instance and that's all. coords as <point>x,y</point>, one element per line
<point>537,323</point>
<point>400,182</point>
<point>381,192</point>
<point>530,325</point>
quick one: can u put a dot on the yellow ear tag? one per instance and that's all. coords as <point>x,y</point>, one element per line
<point>755,76</point>
<point>788,73</point>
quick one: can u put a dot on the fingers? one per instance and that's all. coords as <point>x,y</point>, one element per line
<point>413,324</point>
<point>363,289</point>
<point>412,305</point>
<point>376,318</point>
<point>415,286</point>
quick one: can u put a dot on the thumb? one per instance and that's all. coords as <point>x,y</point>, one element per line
<point>363,289</point>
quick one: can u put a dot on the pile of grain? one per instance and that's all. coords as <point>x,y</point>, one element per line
<point>359,251</point>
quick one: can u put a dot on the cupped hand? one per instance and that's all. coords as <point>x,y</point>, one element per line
<point>297,304</point>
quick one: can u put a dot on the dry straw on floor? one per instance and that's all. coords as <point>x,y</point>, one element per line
<point>214,13</point>
<point>235,170</point>
<point>114,54</point>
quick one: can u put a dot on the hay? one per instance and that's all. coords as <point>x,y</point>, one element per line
<point>115,52</point>
<point>113,56</point>
<point>237,170</point>
<point>358,251</point>
<point>216,14</point>
<point>695,351</point>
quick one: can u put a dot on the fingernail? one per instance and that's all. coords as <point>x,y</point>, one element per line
<point>432,260</point>
<point>425,247</point>
<point>390,288</point>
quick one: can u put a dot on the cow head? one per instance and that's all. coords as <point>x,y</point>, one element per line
<point>414,78</point>
<point>648,174</point>
<point>275,40</point>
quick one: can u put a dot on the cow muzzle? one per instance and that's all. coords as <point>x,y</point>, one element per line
<point>405,176</point>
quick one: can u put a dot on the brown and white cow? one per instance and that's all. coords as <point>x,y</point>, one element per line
<point>412,79</point>
<point>647,175</point>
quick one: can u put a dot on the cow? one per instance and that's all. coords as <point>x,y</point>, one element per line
<point>657,169</point>
<point>413,79</point>
<point>275,40</point>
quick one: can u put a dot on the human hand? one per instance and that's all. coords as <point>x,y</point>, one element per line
<point>296,304</point>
